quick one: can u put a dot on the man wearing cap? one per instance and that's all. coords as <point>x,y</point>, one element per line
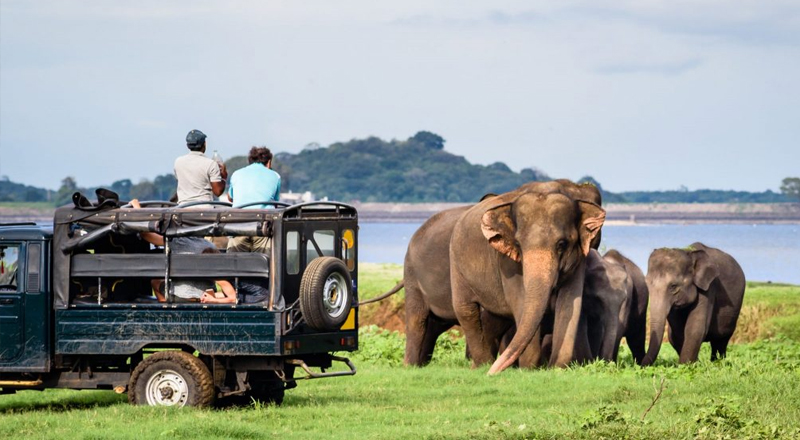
<point>199,177</point>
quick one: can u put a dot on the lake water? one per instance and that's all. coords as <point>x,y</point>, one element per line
<point>766,252</point>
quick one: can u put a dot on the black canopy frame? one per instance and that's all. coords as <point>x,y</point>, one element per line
<point>76,230</point>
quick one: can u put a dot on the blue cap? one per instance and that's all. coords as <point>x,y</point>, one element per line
<point>195,137</point>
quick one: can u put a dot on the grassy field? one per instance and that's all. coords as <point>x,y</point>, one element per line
<point>22,206</point>
<point>754,393</point>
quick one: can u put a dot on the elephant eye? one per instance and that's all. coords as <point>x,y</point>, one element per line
<point>674,289</point>
<point>561,246</point>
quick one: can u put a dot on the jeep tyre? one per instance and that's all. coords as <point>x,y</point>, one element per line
<point>171,378</point>
<point>266,387</point>
<point>326,293</point>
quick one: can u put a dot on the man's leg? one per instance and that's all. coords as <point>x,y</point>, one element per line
<point>261,244</point>
<point>240,244</point>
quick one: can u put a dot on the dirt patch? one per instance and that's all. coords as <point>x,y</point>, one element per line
<point>387,314</point>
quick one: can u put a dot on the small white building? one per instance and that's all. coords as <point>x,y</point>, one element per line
<point>294,198</point>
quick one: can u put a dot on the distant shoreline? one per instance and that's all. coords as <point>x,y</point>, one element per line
<point>616,213</point>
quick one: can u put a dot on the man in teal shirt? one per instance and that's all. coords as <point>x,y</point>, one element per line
<point>256,182</point>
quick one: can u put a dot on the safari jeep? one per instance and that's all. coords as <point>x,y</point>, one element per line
<point>77,309</point>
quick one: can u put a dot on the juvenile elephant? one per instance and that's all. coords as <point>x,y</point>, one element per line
<point>636,329</point>
<point>607,293</point>
<point>510,254</point>
<point>699,291</point>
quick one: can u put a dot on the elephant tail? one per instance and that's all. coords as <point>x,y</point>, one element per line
<point>383,296</point>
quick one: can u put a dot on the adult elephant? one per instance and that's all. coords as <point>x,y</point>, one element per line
<point>509,254</point>
<point>426,278</point>
<point>699,291</point>
<point>636,329</point>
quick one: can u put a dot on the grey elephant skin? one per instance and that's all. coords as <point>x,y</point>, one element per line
<point>510,254</point>
<point>426,275</point>
<point>605,310</point>
<point>614,306</point>
<point>635,330</point>
<point>699,291</point>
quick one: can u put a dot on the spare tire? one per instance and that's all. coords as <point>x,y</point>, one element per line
<point>326,293</point>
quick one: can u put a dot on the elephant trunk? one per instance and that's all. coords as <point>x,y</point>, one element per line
<point>540,276</point>
<point>659,309</point>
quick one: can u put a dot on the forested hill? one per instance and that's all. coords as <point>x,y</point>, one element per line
<point>373,170</point>
<point>417,169</point>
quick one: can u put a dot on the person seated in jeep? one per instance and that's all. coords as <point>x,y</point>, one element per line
<point>253,291</point>
<point>197,290</point>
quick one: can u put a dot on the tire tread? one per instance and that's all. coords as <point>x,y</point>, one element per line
<point>201,391</point>
<point>311,286</point>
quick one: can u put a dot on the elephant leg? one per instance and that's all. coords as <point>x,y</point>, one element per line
<point>635,336</point>
<point>547,348</point>
<point>494,330</point>
<point>433,329</point>
<point>719,348</point>
<point>585,343</point>
<point>468,314</point>
<point>694,332</point>
<point>676,329</point>
<point>417,314</point>
<point>532,356</point>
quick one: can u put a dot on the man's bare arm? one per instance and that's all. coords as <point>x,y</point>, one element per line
<point>218,188</point>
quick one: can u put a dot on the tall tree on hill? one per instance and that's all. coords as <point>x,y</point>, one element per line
<point>165,186</point>
<point>122,188</point>
<point>791,187</point>
<point>428,139</point>
<point>64,195</point>
<point>144,190</point>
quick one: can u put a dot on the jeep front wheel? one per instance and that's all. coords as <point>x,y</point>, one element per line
<point>326,293</point>
<point>171,378</point>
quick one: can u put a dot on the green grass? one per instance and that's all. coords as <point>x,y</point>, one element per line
<point>39,206</point>
<point>754,393</point>
<point>769,309</point>
<point>377,278</point>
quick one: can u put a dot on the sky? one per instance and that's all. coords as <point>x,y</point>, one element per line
<point>641,95</point>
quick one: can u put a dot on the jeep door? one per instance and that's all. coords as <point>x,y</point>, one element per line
<point>11,302</point>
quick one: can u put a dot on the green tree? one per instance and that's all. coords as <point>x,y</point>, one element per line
<point>428,139</point>
<point>64,195</point>
<point>790,187</point>
<point>235,163</point>
<point>144,190</point>
<point>165,186</point>
<point>122,188</point>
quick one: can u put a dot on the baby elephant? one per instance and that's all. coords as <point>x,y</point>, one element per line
<point>614,305</point>
<point>699,291</point>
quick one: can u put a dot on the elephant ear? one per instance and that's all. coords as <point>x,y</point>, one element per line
<point>704,270</point>
<point>499,229</point>
<point>592,219</point>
